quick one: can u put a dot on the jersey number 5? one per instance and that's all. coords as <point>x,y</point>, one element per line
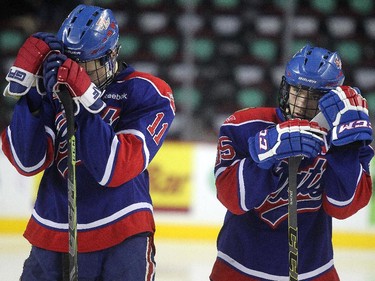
<point>225,151</point>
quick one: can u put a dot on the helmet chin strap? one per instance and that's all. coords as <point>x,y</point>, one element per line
<point>115,68</point>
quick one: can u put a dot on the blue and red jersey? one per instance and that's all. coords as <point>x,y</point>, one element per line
<point>253,242</point>
<point>114,149</point>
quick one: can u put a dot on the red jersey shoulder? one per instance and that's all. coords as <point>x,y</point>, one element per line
<point>267,114</point>
<point>160,85</point>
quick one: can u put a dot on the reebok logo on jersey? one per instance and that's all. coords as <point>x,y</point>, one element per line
<point>114,96</point>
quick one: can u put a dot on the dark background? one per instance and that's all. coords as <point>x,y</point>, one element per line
<point>218,55</point>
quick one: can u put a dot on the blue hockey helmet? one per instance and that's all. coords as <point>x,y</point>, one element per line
<point>90,35</point>
<point>311,73</point>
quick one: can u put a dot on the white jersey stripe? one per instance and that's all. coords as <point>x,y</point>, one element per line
<point>94,224</point>
<point>18,161</point>
<point>267,276</point>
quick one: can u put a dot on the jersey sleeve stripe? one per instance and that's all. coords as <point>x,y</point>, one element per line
<point>242,186</point>
<point>222,169</point>
<point>346,202</point>
<point>18,162</point>
<point>145,148</point>
<point>109,166</point>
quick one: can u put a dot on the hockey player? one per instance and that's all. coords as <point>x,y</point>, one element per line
<point>251,173</point>
<point>122,117</point>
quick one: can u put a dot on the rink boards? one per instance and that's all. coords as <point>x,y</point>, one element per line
<point>184,197</point>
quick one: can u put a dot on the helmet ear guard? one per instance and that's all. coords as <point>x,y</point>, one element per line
<point>90,35</point>
<point>313,71</point>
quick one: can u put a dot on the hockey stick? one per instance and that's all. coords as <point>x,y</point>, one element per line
<point>292,206</point>
<point>68,104</point>
<point>292,217</point>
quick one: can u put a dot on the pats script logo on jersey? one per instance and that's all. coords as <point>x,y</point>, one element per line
<point>274,209</point>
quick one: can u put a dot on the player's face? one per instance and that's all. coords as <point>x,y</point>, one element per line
<point>100,70</point>
<point>303,103</point>
<point>95,70</point>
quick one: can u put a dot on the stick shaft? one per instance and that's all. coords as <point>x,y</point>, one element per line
<point>292,217</point>
<point>68,104</point>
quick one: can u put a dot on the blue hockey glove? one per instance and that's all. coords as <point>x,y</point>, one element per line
<point>25,71</point>
<point>60,70</point>
<point>291,138</point>
<point>52,41</point>
<point>346,112</point>
<point>50,69</point>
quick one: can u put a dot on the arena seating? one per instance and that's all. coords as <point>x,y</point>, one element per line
<point>222,55</point>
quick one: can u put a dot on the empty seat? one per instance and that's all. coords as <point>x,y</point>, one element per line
<point>129,45</point>
<point>324,6</point>
<point>187,98</point>
<point>164,47</point>
<point>278,4</point>
<point>226,25</point>
<point>362,7</point>
<point>246,75</point>
<point>307,26</point>
<point>190,23</point>
<point>104,3</point>
<point>350,51</point>
<point>180,73</point>
<point>268,25</point>
<point>369,27</point>
<point>251,97</point>
<point>264,49</point>
<point>341,26</point>
<point>203,48</point>
<point>152,22</point>
<point>364,78</point>
<point>229,49</point>
<point>11,41</point>
<point>148,3</point>
<point>226,4</point>
<point>191,3</point>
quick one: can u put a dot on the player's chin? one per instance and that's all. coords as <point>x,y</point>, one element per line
<point>303,116</point>
<point>298,116</point>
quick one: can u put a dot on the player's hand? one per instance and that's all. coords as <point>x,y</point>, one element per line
<point>24,72</point>
<point>50,68</point>
<point>291,138</point>
<point>346,112</point>
<point>60,70</point>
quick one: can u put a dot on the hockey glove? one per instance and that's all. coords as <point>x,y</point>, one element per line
<point>291,138</point>
<point>50,68</point>
<point>346,112</point>
<point>60,70</point>
<point>24,72</point>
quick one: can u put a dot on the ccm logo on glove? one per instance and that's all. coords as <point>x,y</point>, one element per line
<point>17,75</point>
<point>354,125</point>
